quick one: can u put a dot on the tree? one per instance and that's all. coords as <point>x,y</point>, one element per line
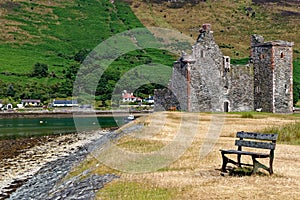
<point>80,55</point>
<point>40,70</point>
<point>296,92</point>
<point>10,91</point>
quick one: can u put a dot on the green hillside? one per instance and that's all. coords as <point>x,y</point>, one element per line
<point>53,33</point>
<point>58,34</point>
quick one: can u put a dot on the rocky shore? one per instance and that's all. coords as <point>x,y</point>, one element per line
<point>35,168</point>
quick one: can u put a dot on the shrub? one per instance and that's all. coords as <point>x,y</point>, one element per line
<point>40,70</point>
<point>247,115</point>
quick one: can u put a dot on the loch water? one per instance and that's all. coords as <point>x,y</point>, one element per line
<point>27,127</point>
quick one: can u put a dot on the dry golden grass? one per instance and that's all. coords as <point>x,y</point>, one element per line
<point>230,22</point>
<point>195,177</point>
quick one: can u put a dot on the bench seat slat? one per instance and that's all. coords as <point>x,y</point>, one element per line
<point>254,144</point>
<point>255,154</point>
<point>257,136</point>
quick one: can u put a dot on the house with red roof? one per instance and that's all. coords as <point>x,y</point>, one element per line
<point>129,97</point>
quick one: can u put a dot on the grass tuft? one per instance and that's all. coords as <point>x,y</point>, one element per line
<point>288,134</point>
<point>247,115</point>
<point>133,190</point>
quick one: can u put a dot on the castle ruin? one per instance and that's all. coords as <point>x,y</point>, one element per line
<point>205,81</point>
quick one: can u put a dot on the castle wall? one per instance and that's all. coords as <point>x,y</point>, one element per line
<point>283,79</point>
<point>240,89</point>
<point>263,78</point>
<point>206,82</point>
<point>273,76</point>
<point>176,93</point>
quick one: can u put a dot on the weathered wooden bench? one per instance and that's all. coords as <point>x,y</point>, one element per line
<point>252,140</point>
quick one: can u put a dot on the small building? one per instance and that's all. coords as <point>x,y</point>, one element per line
<point>129,97</point>
<point>65,103</point>
<point>150,99</point>
<point>9,106</point>
<point>31,102</point>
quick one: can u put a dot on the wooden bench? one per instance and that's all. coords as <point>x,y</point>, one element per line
<point>252,140</point>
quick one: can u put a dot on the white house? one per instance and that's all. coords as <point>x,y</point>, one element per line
<point>129,97</point>
<point>31,102</point>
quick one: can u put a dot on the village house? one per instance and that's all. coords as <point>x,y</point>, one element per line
<point>31,102</point>
<point>64,103</point>
<point>129,97</point>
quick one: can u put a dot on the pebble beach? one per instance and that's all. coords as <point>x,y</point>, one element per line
<point>42,161</point>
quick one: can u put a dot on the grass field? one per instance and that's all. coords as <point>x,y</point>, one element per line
<point>195,176</point>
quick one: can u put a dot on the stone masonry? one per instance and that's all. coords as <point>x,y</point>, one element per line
<point>205,81</point>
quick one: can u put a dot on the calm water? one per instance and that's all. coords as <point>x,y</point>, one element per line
<point>10,128</point>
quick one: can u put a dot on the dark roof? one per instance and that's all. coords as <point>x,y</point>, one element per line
<point>65,102</point>
<point>31,100</point>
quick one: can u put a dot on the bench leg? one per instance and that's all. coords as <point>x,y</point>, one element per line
<point>239,160</point>
<point>225,161</point>
<point>271,161</point>
<point>257,165</point>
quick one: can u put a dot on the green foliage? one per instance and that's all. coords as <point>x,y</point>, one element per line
<point>132,190</point>
<point>80,55</point>
<point>288,134</point>
<point>296,81</point>
<point>242,61</point>
<point>40,70</point>
<point>247,115</point>
<point>10,91</point>
<point>59,39</point>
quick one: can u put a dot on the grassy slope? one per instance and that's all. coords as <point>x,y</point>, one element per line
<point>232,21</point>
<point>52,32</point>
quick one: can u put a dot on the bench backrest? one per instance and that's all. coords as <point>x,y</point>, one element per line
<point>256,140</point>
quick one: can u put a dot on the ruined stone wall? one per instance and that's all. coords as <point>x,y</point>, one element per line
<point>273,76</point>
<point>283,79</point>
<point>165,99</point>
<point>176,93</point>
<point>206,80</point>
<point>263,78</point>
<point>239,94</point>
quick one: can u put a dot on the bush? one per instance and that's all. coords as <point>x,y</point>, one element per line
<point>40,70</point>
<point>247,115</point>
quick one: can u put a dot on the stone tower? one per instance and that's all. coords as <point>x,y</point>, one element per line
<point>205,81</point>
<point>273,75</point>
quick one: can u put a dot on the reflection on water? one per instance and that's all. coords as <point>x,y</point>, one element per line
<point>46,126</point>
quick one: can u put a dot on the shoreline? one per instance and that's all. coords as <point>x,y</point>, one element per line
<point>39,172</point>
<point>70,113</point>
<point>33,154</point>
